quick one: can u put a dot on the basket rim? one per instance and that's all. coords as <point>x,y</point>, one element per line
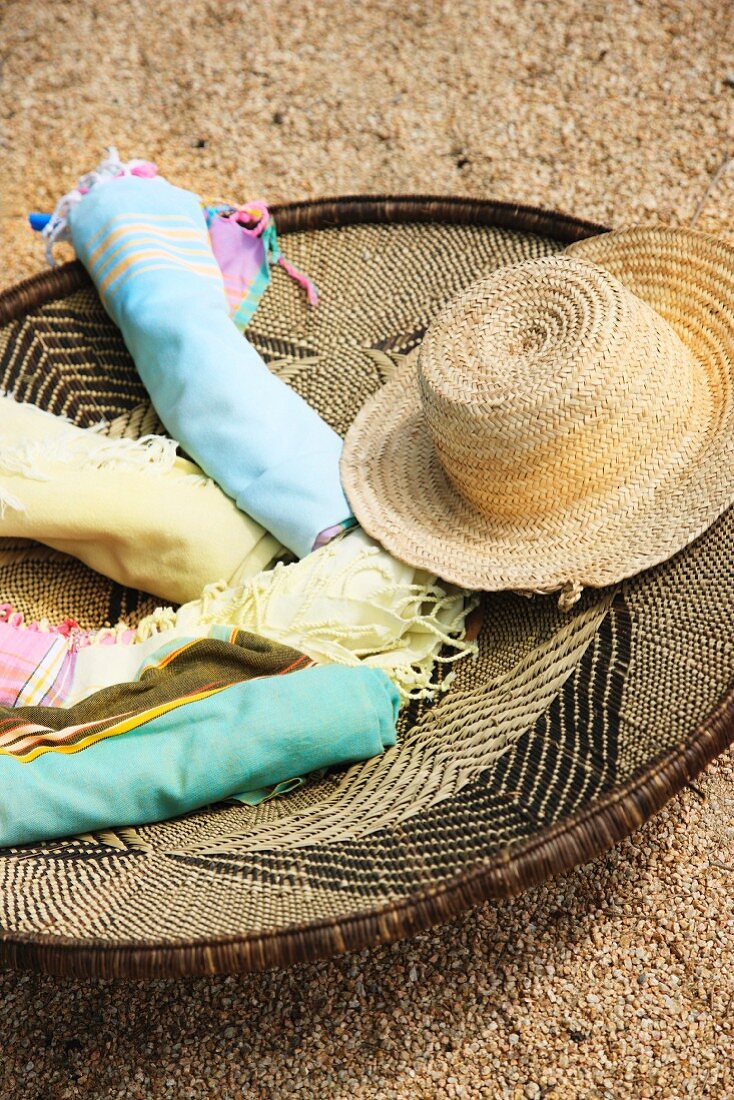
<point>525,863</point>
<point>331,213</point>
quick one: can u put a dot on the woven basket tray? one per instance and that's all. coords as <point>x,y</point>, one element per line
<point>604,712</point>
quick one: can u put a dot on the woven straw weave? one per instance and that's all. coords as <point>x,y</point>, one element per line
<point>564,734</point>
<point>566,422</point>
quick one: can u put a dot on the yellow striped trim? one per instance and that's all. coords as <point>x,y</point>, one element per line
<point>174,653</point>
<point>152,220</point>
<point>155,254</point>
<point>157,232</point>
<point>192,248</point>
<point>114,731</point>
<point>235,284</point>
<point>182,232</point>
<point>25,735</point>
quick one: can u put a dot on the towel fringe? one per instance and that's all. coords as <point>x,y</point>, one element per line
<point>109,168</point>
<point>399,610</point>
<point>163,618</point>
<point>39,459</point>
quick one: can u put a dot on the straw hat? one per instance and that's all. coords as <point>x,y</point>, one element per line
<point>566,421</point>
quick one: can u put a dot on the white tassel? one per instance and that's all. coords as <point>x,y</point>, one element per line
<point>109,168</point>
<point>43,458</point>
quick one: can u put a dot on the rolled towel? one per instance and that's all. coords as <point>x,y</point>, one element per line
<point>131,509</point>
<point>145,244</point>
<point>205,720</point>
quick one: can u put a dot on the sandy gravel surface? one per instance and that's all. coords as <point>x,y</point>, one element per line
<point>616,980</point>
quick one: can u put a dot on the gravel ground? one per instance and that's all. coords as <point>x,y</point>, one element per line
<point>616,980</point>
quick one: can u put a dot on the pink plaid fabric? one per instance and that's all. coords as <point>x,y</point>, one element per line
<point>35,668</point>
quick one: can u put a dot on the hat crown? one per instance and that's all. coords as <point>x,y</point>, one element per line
<point>548,382</point>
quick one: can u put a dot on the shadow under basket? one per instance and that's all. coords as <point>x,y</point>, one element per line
<point>602,714</point>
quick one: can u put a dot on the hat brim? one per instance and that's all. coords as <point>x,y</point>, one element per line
<point>402,496</point>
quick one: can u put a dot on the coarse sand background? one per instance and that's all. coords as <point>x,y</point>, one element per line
<point>616,980</point>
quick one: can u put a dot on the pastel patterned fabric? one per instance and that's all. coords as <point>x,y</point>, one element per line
<point>245,245</point>
<point>204,720</point>
<point>36,668</point>
<point>59,665</point>
<point>145,244</point>
<point>42,664</point>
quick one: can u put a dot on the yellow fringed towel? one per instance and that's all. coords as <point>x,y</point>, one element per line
<point>349,603</point>
<point>131,509</point>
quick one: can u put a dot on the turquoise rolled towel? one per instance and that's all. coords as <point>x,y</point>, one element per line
<point>205,720</point>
